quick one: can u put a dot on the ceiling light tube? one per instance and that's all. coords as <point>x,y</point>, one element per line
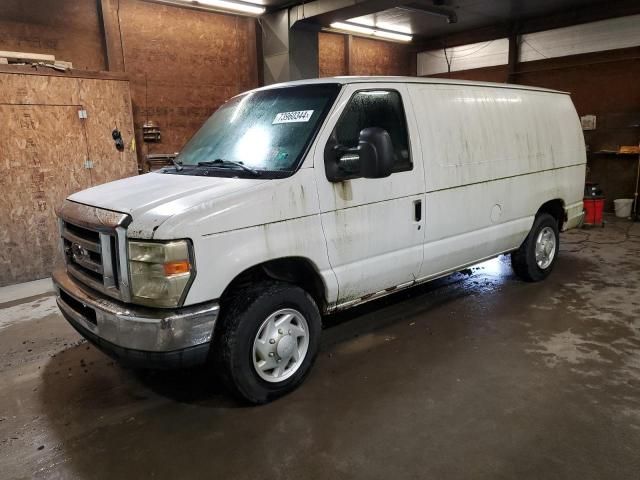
<point>403,37</point>
<point>352,28</point>
<point>233,6</point>
<point>349,27</point>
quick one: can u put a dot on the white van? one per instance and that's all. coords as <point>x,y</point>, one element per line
<point>304,198</point>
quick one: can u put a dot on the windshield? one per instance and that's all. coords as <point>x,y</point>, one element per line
<point>267,131</point>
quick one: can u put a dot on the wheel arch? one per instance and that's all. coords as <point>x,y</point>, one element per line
<point>299,271</point>
<point>555,208</point>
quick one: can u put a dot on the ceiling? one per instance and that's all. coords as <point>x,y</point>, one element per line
<point>471,14</point>
<point>272,4</point>
<point>405,15</point>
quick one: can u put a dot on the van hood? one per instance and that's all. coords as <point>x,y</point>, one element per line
<point>153,198</point>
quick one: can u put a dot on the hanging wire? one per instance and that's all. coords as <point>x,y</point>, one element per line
<point>454,55</point>
<point>524,40</point>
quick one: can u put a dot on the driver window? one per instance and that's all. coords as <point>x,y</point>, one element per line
<point>376,108</point>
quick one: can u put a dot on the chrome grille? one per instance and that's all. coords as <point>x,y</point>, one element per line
<point>83,251</point>
<point>94,247</point>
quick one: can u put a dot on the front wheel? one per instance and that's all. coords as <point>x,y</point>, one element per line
<point>268,340</point>
<point>537,255</point>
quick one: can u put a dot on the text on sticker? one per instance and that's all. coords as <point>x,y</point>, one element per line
<point>292,117</point>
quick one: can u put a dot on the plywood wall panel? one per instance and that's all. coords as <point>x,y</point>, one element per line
<point>19,89</point>
<point>42,159</point>
<point>331,54</point>
<point>183,65</point>
<point>68,29</point>
<point>39,169</point>
<point>179,118</point>
<point>108,106</point>
<point>376,57</point>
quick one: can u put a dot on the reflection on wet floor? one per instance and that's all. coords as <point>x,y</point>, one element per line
<point>475,375</point>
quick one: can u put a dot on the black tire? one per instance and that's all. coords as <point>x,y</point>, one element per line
<point>240,320</point>
<point>523,260</point>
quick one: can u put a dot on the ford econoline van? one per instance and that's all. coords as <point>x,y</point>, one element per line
<point>297,200</point>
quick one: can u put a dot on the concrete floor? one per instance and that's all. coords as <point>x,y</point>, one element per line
<point>478,375</point>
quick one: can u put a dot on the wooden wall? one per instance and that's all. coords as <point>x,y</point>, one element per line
<point>377,57</point>
<point>42,159</point>
<point>178,65</point>
<point>183,63</point>
<point>68,29</point>
<point>332,59</point>
<point>343,55</point>
<point>604,84</point>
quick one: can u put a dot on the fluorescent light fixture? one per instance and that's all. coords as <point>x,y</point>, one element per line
<point>352,28</point>
<point>233,6</point>
<point>349,27</point>
<point>378,25</point>
<point>403,37</point>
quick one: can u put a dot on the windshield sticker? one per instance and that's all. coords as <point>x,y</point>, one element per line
<point>293,117</point>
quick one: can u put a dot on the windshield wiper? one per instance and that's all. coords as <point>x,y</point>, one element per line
<point>219,162</point>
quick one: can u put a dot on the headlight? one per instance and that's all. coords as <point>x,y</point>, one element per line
<point>160,272</point>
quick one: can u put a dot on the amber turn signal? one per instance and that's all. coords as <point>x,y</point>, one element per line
<point>176,268</point>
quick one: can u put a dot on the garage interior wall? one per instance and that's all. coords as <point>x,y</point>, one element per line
<point>602,83</point>
<point>182,63</point>
<point>70,30</point>
<point>340,54</point>
<point>53,125</point>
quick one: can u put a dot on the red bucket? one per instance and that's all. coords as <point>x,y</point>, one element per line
<point>593,208</point>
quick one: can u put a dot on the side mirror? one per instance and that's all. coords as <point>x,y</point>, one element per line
<point>376,153</point>
<point>372,158</point>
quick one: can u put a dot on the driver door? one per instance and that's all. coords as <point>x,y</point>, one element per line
<point>374,227</point>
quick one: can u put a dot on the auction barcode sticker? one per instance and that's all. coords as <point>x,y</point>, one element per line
<point>293,117</point>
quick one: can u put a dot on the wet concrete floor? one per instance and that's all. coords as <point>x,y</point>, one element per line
<point>478,375</point>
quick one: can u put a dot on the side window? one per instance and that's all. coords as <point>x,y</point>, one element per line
<point>376,108</point>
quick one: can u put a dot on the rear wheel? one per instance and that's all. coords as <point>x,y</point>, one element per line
<point>537,255</point>
<point>268,340</point>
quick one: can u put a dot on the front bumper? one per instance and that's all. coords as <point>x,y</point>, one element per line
<point>137,336</point>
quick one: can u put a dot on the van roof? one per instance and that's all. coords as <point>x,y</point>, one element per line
<point>426,80</point>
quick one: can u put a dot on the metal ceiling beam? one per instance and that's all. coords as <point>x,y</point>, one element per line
<point>325,12</point>
<point>446,13</point>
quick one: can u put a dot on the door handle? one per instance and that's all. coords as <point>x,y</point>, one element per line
<point>417,210</point>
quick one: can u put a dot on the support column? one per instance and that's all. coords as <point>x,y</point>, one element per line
<point>114,52</point>
<point>289,53</point>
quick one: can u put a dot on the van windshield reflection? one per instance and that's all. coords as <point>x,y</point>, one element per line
<point>259,133</point>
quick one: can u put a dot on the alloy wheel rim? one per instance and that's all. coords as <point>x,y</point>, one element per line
<point>280,345</point>
<point>545,247</point>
